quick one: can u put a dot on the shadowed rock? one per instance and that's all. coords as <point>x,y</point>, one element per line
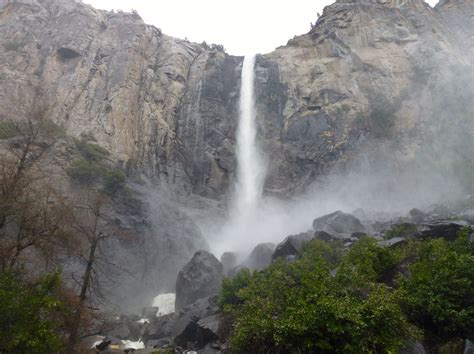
<point>199,278</point>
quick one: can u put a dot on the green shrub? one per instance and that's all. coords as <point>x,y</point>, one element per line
<point>27,311</point>
<point>404,229</point>
<point>301,307</point>
<point>92,152</point>
<point>8,130</point>
<point>84,171</point>
<point>438,290</point>
<point>13,46</point>
<point>367,263</point>
<point>114,181</point>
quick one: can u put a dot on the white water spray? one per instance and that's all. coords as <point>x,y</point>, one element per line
<point>250,166</point>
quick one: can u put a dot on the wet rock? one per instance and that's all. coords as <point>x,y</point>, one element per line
<point>261,256</point>
<point>445,229</point>
<point>229,261</point>
<point>68,53</point>
<point>199,278</point>
<point>291,245</point>
<point>338,223</point>
<point>413,348</point>
<point>159,327</point>
<point>395,241</point>
<point>417,215</point>
<point>149,311</point>
<point>198,324</point>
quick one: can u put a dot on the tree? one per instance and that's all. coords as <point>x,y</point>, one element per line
<point>438,289</point>
<point>32,213</point>
<point>28,314</point>
<point>93,226</point>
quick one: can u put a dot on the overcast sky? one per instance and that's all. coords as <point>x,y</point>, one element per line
<point>241,26</point>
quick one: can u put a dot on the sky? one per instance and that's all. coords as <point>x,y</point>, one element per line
<point>243,26</point>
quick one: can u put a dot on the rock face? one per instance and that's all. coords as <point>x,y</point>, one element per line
<point>168,108</point>
<point>199,278</point>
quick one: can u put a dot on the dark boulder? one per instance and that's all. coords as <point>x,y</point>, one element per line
<point>158,328</point>
<point>446,229</point>
<point>291,245</point>
<point>261,256</point>
<point>338,223</point>
<point>199,278</point>
<point>67,53</point>
<point>198,324</point>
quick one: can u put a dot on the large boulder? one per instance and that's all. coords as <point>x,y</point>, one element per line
<point>198,324</point>
<point>446,229</point>
<point>338,223</point>
<point>261,256</point>
<point>291,245</point>
<point>199,278</point>
<point>229,261</point>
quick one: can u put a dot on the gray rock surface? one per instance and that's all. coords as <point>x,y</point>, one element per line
<point>261,256</point>
<point>338,223</point>
<point>199,278</point>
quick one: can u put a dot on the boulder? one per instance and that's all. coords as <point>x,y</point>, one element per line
<point>199,278</point>
<point>261,256</point>
<point>446,229</point>
<point>291,245</point>
<point>338,223</point>
<point>149,311</point>
<point>229,261</point>
<point>198,324</point>
<point>158,328</point>
<point>395,241</point>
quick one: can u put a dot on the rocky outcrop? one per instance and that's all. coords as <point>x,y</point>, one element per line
<point>162,105</point>
<point>200,277</point>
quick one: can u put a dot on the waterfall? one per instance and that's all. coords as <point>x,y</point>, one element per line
<point>250,166</point>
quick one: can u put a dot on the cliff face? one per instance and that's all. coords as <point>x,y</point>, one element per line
<point>161,104</point>
<point>326,93</point>
<point>169,107</point>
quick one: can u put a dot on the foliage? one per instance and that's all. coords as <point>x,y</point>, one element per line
<point>8,130</point>
<point>380,120</point>
<point>302,307</point>
<point>27,322</point>
<point>91,152</point>
<point>84,171</point>
<point>93,167</point>
<point>13,46</point>
<point>114,181</point>
<point>403,229</point>
<point>438,291</point>
<point>367,263</point>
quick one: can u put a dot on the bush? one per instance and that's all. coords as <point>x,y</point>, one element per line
<point>13,46</point>
<point>92,152</point>
<point>84,171</point>
<point>438,290</point>
<point>114,181</point>
<point>404,229</point>
<point>301,307</point>
<point>8,130</point>
<point>27,314</point>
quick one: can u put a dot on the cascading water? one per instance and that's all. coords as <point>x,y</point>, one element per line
<point>250,167</point>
